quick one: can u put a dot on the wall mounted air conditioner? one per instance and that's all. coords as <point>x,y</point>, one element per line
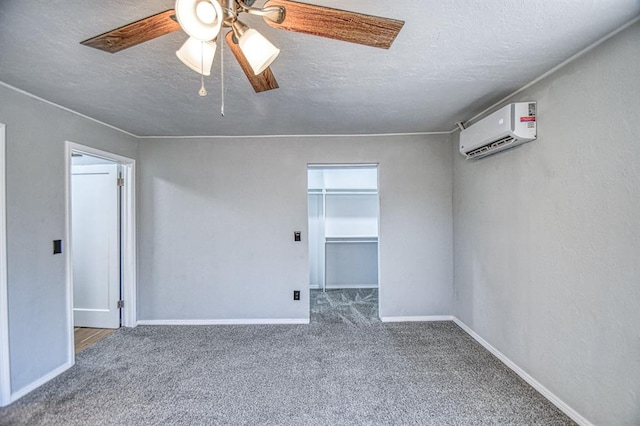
<point>510,126</point>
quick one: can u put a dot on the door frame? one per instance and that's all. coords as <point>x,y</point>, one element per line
<point>128,242</point>
<point>375,165</point>
<point>5,368</point>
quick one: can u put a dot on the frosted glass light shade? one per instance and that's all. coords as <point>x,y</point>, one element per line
<point>259,51</point>
<point>201,19</point>
<point>197,55</point>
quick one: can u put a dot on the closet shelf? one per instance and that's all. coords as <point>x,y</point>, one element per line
<point>343,192</point>
<point>352,239</point>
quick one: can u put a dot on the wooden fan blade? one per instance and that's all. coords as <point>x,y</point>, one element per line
<point>135,33</point>
<point>337,24</point>
<point>261,82</point>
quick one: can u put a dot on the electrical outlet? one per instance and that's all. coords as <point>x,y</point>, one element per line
<point>296,294</point>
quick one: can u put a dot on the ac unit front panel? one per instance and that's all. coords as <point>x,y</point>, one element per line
<point>510,126</point>
<point>494,126</point>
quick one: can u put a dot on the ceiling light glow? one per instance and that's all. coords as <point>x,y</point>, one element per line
<point>200,19</point>
<point>206,12</point>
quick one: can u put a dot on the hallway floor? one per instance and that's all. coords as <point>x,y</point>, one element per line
<point>85,337</point>
<point>345,306</point>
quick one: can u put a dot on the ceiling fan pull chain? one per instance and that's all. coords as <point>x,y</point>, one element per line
<point>203,91</point>
<point>221,77</point>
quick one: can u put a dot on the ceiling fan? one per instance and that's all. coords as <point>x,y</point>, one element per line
<point>203,21</point>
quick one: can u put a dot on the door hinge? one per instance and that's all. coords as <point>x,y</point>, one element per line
<point>120,304</point>
<point>120,181</point>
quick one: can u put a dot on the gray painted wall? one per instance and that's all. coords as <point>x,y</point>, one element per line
<point>547,237</point>
<point>217,216</point>
<point>35,136</point>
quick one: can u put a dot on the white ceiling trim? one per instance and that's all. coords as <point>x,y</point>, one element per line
<point>355,135</point>
<point>38,98</point>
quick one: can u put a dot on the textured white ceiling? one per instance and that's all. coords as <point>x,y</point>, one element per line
<point>451,60</point>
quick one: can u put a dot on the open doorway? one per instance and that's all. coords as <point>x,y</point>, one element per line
<point>100,245</point>
<point>343,206</point>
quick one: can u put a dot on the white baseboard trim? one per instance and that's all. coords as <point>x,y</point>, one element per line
<point>41,381</point>
<point>427,318</point>
<point>573,414</point>
<point>227,321</point>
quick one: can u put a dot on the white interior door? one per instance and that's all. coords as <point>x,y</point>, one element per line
<point>95,245</point>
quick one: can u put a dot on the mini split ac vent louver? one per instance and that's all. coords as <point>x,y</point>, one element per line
<point>506,128</point>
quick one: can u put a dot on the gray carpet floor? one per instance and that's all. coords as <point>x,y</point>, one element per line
<point>342,371</point>
<point>345,306</point>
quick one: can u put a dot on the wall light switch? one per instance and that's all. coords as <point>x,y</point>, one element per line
<point>57,246</point>
<point>296,236</point>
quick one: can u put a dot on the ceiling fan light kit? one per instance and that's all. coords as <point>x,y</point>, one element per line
<point>203,21</point>
<point>259,51</point>
<point>197,55</point>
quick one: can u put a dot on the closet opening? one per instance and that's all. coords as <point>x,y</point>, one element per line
<point>343,208</point>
